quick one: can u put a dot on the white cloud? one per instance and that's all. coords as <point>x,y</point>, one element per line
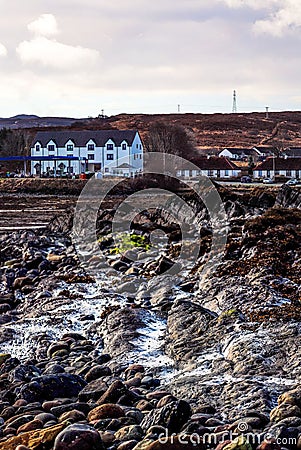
<point>43,49</point>
<point>56,55</point>
<point>287,18</point>
<point>3,51</point>
<point>45,25</point>
<point>283,15</point>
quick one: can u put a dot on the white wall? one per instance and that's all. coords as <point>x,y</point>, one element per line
<point>226,153</point>
<point>132,155</point>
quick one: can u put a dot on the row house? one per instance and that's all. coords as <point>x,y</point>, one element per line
<point>273,167</point>
<point>213,167</point>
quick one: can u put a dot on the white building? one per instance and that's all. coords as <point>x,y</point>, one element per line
<point>273,167</point>
<point>111,152</point>
<point>239,154</point>
<point>213,167</point>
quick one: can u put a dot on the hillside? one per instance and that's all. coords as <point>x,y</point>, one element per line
<point>215,131</point>
<point>222,130</point>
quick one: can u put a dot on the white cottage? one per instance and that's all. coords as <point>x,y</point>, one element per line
<point>272,167</point>
<point>213,167</point>
<point>111,152</point>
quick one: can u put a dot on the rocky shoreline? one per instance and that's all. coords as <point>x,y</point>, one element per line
<point>89,363</point>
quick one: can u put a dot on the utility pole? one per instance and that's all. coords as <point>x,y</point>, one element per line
<point>179,108</point>
<point>102,113</point>
<point>234,105</point>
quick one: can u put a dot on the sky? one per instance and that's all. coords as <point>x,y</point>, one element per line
<point>78,57</point>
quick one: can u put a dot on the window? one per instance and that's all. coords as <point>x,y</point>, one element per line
<point>226,173</point>
<point>123,146</point>
<point>137,145</point>
<point>140,156</point>
<point>268,173</point>
<point>110,147</point>
<point>38,148</point>
<point>51,148</point>
<point>110,156</point>
<point>70,169</point>
<point>91,147</point>
<point>69,148</point>
<point>140,147</point>
<point>260,173</point>
<point>210,173</point>
<point>288,173</point>
<point>91,157</point>
<point>106,170</point>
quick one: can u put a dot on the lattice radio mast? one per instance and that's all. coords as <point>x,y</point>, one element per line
<point>234,106</point>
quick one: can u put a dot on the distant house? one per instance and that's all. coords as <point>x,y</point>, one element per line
<point>292,152</point>
<point>262,152</point>
<point>112,152</point>
<point>212,166</point>
<point>271,167</point>
<point>236,153</point>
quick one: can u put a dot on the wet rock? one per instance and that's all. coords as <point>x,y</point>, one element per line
<point>72,416</point>
<point>284,410</point>
<point>78,436</point>
<point>113,393</point>
<point>130,432</point>
<point>32,439</point>
<point>172,416</point>
<point>93,391</point>
<point>78,406</point>
<point>23,373</point>
<point>106,411</point>
<point>30,426</point>
<point>127,445</point>
<point>97,372</point>
<point>49,387</point>
<point>240,443</point>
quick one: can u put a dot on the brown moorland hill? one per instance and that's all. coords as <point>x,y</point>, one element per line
<point>216,130</point>
<point>210,131</point>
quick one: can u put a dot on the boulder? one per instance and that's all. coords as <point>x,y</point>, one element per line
<point>78,437</point>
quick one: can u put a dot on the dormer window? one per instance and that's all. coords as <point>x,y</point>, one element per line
<point>91,147</point>
<point>51,148</point>
<point>110,147</point>
<point>38,147</point>
<point>123,146</point>
<point>70,148</point>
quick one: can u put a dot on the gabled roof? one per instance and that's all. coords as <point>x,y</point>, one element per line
<point>280,164</point>
<point>81,138</point>
<point>125,166</point>
<point>238,151</point>
<point>264,150</point>
<point>215,163</point>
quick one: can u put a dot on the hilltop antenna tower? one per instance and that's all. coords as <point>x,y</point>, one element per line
<point>234,106</point>
<point>266,112</point>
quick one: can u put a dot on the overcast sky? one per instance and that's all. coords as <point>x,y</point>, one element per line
<point>75,57</point>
